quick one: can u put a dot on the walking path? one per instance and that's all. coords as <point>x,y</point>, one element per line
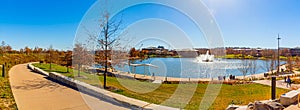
<point>279,84</point>
<point>33,91</point>
<point>292,107</point>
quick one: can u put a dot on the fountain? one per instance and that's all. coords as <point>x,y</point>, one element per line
<point>205,57</point>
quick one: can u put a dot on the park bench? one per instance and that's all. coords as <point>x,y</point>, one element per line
<point>289,98</point>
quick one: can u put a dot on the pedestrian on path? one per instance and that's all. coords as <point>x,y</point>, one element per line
<point>288,82</point>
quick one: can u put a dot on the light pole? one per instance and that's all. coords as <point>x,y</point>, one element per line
<point>278,59</point>
<point>273,82</point>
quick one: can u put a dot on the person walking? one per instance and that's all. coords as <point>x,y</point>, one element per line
<point>288,82</point>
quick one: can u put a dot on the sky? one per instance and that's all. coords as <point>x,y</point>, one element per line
<point>243,23</point>
<point>41,22</point>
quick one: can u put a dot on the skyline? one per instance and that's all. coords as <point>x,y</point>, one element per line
<point>243,23</point>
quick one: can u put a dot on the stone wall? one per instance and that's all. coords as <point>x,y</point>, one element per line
<point>37,70</point>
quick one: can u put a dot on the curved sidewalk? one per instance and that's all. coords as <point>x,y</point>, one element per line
<point>33,91</point>
<point>279,84</point>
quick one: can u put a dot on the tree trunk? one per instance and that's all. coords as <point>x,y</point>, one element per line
<point>50,67</point>
<point>79,67</point>
<point>106,55</point>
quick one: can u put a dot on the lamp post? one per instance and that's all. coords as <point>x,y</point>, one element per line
<point>273,82</point>
<point>278,57</point>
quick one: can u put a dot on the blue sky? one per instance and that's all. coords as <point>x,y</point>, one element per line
<point>243,23</point>
<point>41,22</point>
<point>256,23</point>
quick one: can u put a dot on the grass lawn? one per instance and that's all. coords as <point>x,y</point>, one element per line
<point>229,94</point>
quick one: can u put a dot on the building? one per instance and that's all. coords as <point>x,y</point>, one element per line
<point>187,53</point>
<point>202,50</point>
<point>160,50</point>
<point>295,51</point>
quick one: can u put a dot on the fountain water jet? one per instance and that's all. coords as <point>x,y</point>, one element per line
<point>205,57</point>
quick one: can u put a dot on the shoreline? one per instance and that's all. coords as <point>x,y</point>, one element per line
<point>164,78</point>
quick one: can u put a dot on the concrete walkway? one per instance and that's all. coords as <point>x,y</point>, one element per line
<point>279,84</point>
<point>292,107</point>
<point>33,91</point>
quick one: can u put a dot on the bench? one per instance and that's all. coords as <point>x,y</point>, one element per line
<point>289,98</point>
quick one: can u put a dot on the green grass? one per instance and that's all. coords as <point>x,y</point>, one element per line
<point>55,68</point>
<point>283,58</point>
<point>229,94</point>
<point>239,56</point>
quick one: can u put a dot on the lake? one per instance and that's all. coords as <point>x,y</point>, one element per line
<point>190,67</point>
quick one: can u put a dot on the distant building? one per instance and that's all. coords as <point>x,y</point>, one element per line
<point>187,53</point>
<point>257,52</point>
<point>161,47</point>
<point>295,51</point>
<point>153,50</point>
<point>202,50</point>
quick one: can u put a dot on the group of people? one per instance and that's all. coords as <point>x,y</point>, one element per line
<point>231,77</point>
<point>221,77</point>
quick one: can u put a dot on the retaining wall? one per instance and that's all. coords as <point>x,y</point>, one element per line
<point>38,70</point>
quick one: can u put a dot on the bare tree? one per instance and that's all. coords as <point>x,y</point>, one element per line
<point>267,53</point>
<point>270,64</point>
<point>290,64</point>
<point>27,50</point>
<point>52,56</point>
<point>273,64</point>
<point>38,52</point>
<point>49,56</point>
<point>297,61</point>
<point>245,67</point>
<point>81,56</point>
<point>2,49</point>
<point>67,60</point>
<point>108,41</point>
<point>253,67</point>
<point>266,66</point>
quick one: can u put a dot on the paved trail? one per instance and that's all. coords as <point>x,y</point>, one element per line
<point>279,84</point>
<point>33,91</point>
